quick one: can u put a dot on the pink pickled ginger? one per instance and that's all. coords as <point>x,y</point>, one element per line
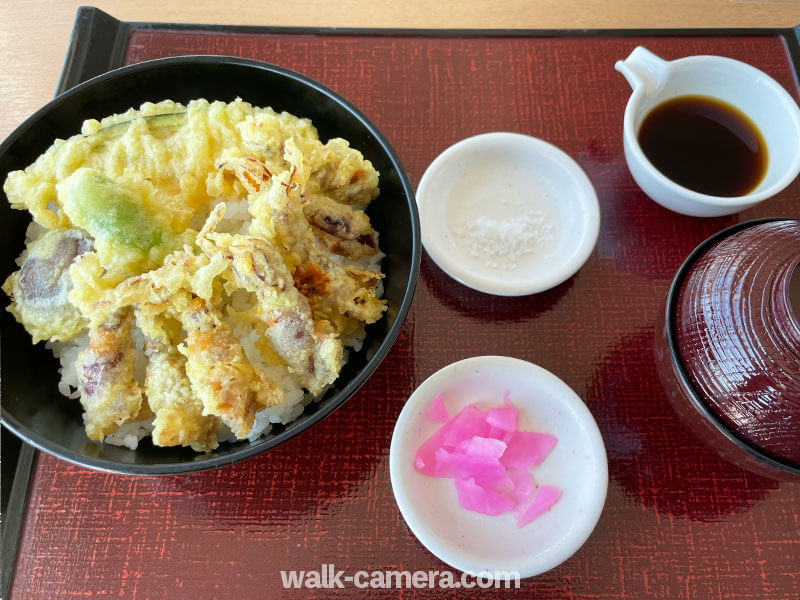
<point>489,459</point>
<point>545,497</point>
<point>436,411</point>
<point>527,449</point>
<point>505,417</point>
<point>476,497</point>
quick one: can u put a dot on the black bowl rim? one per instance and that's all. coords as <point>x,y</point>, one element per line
<point>669,327</point>
<point>323,410</point>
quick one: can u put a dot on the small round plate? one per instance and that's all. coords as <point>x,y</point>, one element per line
<point>577,465</point>
<point>507,214</point>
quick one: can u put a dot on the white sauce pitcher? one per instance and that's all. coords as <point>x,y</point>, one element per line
<point>768,105</point>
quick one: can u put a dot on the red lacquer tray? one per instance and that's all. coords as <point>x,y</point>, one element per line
<point>679,522</point>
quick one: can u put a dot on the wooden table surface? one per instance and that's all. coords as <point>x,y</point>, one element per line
<point>34,33</point>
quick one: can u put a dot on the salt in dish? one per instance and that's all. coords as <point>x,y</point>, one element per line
<point>507,214</point>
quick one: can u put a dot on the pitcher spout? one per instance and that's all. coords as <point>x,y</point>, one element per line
<point>642,68</point>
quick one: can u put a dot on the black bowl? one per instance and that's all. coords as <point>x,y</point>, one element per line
<point>31,404</point>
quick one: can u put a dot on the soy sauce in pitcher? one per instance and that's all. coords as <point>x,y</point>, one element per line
<point>705,144</point>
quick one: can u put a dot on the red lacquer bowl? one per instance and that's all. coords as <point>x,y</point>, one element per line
<point>728,354</point>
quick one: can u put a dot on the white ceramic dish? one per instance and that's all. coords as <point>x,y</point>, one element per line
<point>507,214</point>
<point>577,465</point>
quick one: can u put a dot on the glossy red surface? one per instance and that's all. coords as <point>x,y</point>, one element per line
<point>738,337</point>
<point>679,522</point>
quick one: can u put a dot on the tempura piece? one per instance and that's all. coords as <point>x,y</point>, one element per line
<point>179,419</point>
<point>311,350</point>
<point>343,229</point>
<point>336,292</point>
<point>128,234</point>
<point>109,393</point>
<point>221,376</point>
<point>345,175</point>
<point>40,289</point>
<point>182,271</point>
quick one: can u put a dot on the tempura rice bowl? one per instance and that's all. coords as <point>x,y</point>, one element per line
<point>32,406</point>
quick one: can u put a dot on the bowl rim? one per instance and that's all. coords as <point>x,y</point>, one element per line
<point>323,410</point>
<point>669,328</point>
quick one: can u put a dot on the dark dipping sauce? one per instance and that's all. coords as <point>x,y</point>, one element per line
<point>705,145</point>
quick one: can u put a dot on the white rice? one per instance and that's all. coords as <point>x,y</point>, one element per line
<point>130,434</point>
<point>67,354</point>
<point>292,406</point>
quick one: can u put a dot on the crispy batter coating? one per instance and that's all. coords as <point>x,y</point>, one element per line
<point>311,350</point>
<point>221,376</point>
<point>344,230</point>
<point>342,292</point>
<point>182,271</point>
<point>40,289</point>
<point>109,393</point>
<point>343,174</point>
<point>179,418</point>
